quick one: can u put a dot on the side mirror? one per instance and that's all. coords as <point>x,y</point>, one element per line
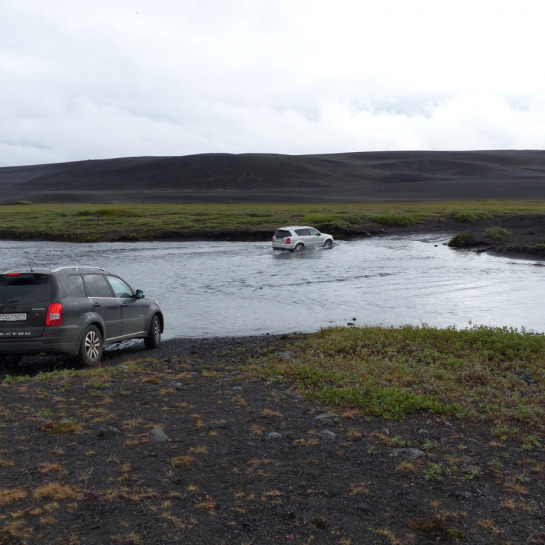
<point>140,294</point>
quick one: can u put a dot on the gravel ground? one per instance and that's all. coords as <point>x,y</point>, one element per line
<point>184,445</point>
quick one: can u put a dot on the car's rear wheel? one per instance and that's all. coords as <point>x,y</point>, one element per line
<point>153,340</point>
<point>328,243</point>
<point>299,247</point>
<point>90,350</point>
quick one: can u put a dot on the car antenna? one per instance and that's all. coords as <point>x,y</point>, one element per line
<point>31,269</point>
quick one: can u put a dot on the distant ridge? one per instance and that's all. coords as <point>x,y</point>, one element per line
<point>269,178</point>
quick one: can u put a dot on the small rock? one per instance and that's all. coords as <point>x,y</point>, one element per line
<point>327,435</point>
<point>108,431</point>
<point>462,494</point>
<point>411,453</point>
<point>286,355</point>
<point>157,435</point>
<point>326,416</point>
<point>177,385</point>
<point>274,436</point>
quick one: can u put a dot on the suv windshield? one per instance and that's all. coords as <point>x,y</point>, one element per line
<point>282,233</point>
<point>24,288</point>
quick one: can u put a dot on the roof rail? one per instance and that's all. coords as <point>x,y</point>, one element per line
<point>78,267</point>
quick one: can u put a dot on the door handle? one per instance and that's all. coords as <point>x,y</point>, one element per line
<point>96,304</point>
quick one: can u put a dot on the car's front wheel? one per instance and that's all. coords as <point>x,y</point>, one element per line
<point>153,340</point>
<point>90,350</point>
<point>328,243</point>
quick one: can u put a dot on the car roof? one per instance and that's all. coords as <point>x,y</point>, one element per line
<point>56,270</point>
<point>297,227</point>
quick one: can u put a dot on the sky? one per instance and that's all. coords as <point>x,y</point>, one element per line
<point>121,78</point>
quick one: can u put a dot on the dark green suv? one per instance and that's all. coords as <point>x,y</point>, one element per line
<point>72,310</point>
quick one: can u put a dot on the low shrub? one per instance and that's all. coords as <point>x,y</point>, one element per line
<point>471,216</point>
<point>461,240</point>
<point>497,233</point>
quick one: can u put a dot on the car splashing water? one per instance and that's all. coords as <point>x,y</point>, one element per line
<point>240,288</point>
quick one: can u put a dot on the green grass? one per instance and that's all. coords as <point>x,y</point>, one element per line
<point>108,222</point>
<point>497,233</point>
<point>461,240</point>
<point>493,374</point>
<point>471,216</point>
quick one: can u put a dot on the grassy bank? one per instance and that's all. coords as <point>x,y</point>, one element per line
<point>110,222</point>
<point>490,375</point>
<point>193,445</point>
<point>494,375</point>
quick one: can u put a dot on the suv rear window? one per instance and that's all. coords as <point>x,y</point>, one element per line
<point>282,233</point>
<point>25,288</point>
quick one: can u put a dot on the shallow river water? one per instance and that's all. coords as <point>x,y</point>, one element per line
<point>240,288</point>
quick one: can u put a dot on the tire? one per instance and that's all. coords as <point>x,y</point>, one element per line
<point>299,247</point>
<point>90,349</point>
<point>153,339</point>
<point>328,243</point>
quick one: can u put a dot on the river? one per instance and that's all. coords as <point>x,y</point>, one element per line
<point>209,289</point>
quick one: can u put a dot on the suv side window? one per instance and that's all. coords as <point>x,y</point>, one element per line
<point>97,286</point>
<point>313,231</point>
<point>302,232</point>
<point>121,289</point>
<point>73,284</point>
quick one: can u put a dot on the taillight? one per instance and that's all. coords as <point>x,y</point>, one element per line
<point>288,240</point>
<point>54,314</point>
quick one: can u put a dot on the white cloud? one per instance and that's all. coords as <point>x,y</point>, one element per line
<point>173,77</point>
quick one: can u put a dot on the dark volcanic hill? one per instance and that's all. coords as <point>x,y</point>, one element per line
<point>344,177</point>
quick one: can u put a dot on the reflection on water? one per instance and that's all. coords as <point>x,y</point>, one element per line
<point>238,288</point>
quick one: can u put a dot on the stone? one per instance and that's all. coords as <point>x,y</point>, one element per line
<point>158,435</point>
<point>327,435</point>
<point>410,453</point>
<point>326,416</point>
<point>108,431</point>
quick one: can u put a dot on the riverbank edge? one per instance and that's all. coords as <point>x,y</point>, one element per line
<point>523,234</point>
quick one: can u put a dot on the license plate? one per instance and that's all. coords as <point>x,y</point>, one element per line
<point>16,317</point>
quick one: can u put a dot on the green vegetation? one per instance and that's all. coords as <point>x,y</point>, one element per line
<point>461,240</point>
<point>471,216</point>
<point>109,222</point>
<point>492,374</point>
<point>394,220</point>
<point>497,233</point>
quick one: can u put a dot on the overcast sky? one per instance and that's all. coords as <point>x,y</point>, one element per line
<point>97,79</point>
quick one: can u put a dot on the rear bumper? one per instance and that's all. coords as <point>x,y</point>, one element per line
<point>37,346</point>
<point>55,341</point>
<point>282,246</point>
